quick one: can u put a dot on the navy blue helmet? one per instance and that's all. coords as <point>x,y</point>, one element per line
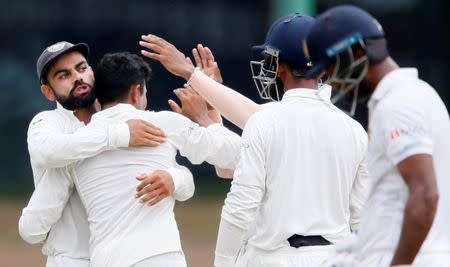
<point>284,43</point>
<point>331,40</point>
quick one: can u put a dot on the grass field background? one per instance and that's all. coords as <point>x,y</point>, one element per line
<point>198,220</point>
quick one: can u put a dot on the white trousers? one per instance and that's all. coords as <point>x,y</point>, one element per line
<point>311,256</point>
<point>170,259</point>
<point>62,261</point>
<point>383,258</point>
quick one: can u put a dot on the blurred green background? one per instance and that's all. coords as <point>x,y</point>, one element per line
<point>414,28</point>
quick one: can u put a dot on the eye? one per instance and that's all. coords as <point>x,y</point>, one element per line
<point>83,68</point>
<point>63,76</point>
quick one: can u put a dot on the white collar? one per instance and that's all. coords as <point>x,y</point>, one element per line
<point>323,93</point>
<point>113,111</point>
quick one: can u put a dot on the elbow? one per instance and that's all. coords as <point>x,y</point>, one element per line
<point>26,233</point>
<point>42,160</point>
<point>422,207</point>
<point>431,200</point>
<point>187,195</point>
<point>224,173</point>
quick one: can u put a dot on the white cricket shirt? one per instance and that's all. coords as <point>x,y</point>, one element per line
<point>302,171</point>
<point>124,231</point>
<point>406,117</point>
<point>54,142</point>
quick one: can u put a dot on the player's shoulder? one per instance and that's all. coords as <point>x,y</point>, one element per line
<point>166,119</point>
<point>356,127</point>
<point>398,106</point>
<point>53,115</point>
<point>166,115</point>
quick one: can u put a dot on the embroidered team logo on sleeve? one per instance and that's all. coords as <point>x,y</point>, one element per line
<point>245,145</point>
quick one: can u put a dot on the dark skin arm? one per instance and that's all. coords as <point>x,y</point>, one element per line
<point>418,173</point>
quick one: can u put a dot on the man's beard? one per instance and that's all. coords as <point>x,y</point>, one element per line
<point>72,102</point>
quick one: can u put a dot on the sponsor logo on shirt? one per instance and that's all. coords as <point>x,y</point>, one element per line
<point>394,134</point>
<point>411,132</point>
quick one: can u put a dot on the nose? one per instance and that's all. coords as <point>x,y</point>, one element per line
<point>77,78</point>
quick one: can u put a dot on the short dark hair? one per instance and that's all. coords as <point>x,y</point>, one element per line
<point>116,73</point>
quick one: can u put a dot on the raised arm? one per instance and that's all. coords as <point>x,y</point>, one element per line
<point>50,147</point>
<point>232,105</point>
<point>195,108</point>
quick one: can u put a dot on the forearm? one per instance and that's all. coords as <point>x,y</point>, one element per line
<point>183,182</point>
<point>239,210</point>
<point>229,240</point>
<point>30,231</point>
<point>46,205</point>
<point>360,191</point>
<point>224,173</point>
<point>34,226</point>
<point>215,144</point>
<point>43,211</point>
<point>232,105</point>
<point>418,218</point>
<point>54,149</point>
<point>357,200</point>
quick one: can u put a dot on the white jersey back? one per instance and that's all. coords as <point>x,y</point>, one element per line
<point>304,160</point>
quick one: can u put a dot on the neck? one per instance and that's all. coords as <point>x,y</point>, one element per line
<point>378,71</point>
<point>109,105</point>
<point>85,114</point>
<point>300,83</point>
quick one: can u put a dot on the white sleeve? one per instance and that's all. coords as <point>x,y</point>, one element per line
<point>46,205</point>
<point>50,147</point>
<point>214,144</point>
<point>226,254</point>
<point>404,131</point>
<point>232,105</point>
<point>359,193</point>
<point>183,182</point>
<point>246,193</point>
<point>361,183</point>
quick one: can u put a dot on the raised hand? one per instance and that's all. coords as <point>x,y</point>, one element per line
<point>193,106</point>
<point>204,59</point>
<point>167,54</point>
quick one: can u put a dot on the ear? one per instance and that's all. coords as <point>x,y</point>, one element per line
<point>283,70</point>
<point>134,94</point>
<point>48,92</point>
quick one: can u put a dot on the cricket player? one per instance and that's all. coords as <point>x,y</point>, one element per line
<point>300,182</point>
<point>120,227</point>
<point>53,143</point>
<point>407,216</point>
